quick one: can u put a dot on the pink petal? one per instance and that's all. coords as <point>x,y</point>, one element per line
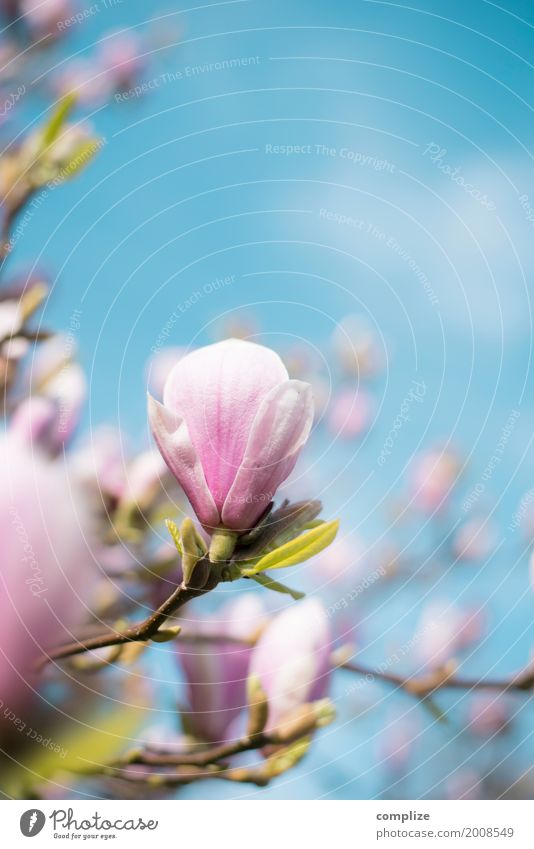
<point>279,430</point>
<point>172,437</point>
<point>217,390</point>
<point>292,658</point>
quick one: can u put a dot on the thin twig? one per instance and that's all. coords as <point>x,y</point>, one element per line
<point>144,630</point>
<point>444,677</point>
<point>200,759</point>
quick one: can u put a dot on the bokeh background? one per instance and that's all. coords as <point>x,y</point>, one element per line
<point>289,165</point>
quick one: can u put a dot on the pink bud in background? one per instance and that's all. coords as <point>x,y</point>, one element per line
<point>35,424</point>
<point>396,744</point>
<point>230,428</point>
<point>216,670</point>
<point>350,413</point>
<point>54,377</point>
<point>292,659</point>
<point>444,630</point>
<point>85,79</point>
<point>120,57</point>
<point>434,475</point>
<point>341,561</point>
<point>463,784</point>
<point>357,347</point>
<point>43,16</point>
<point>474,540</point>
<point>145,477</point>
<point>99,465</point>
<point>488,714</point>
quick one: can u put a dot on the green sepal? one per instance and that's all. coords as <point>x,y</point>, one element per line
<point>297,550</point>
<point>269,584</point>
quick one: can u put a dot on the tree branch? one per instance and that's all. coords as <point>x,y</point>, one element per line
<point>205,578</point>
<point>444,677</point>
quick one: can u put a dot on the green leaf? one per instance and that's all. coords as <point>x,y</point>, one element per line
<point>297,550</point>
<point>174,531</point>
<point>267,582</point>
<point>60,115</point>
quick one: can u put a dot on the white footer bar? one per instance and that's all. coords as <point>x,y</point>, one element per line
<point>269,824</point>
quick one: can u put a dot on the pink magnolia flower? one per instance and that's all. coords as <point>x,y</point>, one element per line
<point>230,428</point>
<point>292,659</point>
<point>216,670</point>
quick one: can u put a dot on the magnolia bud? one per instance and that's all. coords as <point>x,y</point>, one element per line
<point>258,707</point>
<point>165,635</point>
<point>303,721</point>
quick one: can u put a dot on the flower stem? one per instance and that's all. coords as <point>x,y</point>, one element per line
<point>222,545</point>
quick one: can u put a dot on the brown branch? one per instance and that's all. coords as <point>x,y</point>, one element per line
<point>200,759</point>
<point>189,767</point>
<point>444,677</point>
<point>283,746</point>
<point>206,577</point>
<point>189,774</point>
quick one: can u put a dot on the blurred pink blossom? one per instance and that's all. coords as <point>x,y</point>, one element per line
<point>120,57</point>
<point>396,744</point>
<point>292,659</point>
<point>43,16</point>
<point>434,475</point>
<point>464,784</point>
<point>474,540</point>
<point>46,568</point>
<point>350,413</point>
<point>357,347</point>
<point>54,377</point>
<point>99,465</point>
<point>341,560</point>
<point>444,630</point>
<point>85,79</point>
<point>489,714</point>
<point>216,670</point>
